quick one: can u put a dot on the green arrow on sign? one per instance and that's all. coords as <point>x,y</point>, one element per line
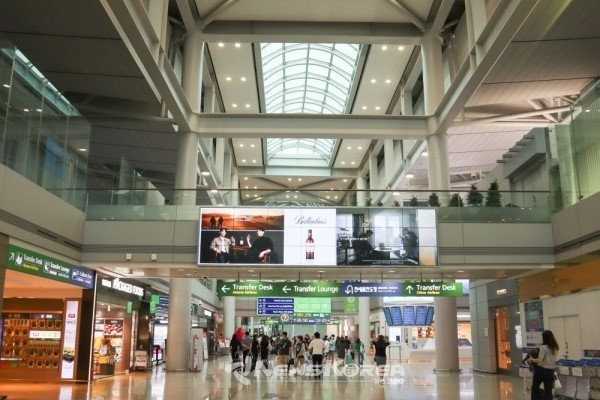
<point>434,289</point>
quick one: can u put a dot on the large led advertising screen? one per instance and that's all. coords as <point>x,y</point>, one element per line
<point>317,236</point>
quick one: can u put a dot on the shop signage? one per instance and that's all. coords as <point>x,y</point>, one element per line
<point>67,366</point>
<point>129,307</point>
<point>347,289</point>
<point>30,262</point>
<point>350,305</point>
<point>122,286</point>
<point>278,289</point>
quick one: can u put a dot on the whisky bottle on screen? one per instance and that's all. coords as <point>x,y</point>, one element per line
<point>310,246</point>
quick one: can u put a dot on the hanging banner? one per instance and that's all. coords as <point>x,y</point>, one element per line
<point>67,366</point>
<point>534,323</point>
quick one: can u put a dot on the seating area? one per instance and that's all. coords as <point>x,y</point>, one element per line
<point>580,380</point>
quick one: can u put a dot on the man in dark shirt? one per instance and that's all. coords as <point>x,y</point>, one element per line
<point>380,356</point>
<point>259,247</point>
<point>284,349</point>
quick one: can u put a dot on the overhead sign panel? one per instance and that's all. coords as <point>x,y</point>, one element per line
<point>274,305</point>
<point>278,289</point>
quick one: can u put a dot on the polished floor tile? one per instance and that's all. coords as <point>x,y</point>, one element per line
<point>217,382</point>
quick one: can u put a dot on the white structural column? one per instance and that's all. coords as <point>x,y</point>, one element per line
<point>228,316</point>
<point>158,12</point>
<point>187,146</point>
<point>178,339</point>
<point>389,161</point>
<point>446,341</point>
<point>364,322</point>
<point>476,21</point>
<point>373,177</point>
<point>234,198</point>
<point>361,195</point>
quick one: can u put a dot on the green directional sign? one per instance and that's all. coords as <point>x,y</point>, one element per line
<point>433,289</point>
<point>350,305</point>
<point>278,289</point>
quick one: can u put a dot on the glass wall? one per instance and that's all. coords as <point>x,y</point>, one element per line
<point>42,136</point>
<point>578,152</point>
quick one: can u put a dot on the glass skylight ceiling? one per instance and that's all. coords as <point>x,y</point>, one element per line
<point>313,78</point>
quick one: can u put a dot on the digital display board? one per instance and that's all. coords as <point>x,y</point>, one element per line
<point>421,316</point>
<point>317,236</point>
<point>396,316</point>
<point>388,316</point>
<point>409,315</point>
<point>429,319</point>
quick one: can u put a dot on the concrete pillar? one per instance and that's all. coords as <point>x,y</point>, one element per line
<point>220,158</point>
<point>178,338</point>
<point>193,55</point>
<point>373,179</point>
<point>364,322</point>
<point>228,316</point>
<point>389,161</point>
<point>361,195</point>
<point>446,334</point>
<point>251,325</point>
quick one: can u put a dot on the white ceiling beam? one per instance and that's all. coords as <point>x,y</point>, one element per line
<point>416,21</point>
<point>311,32</point>
<point>214,13</point>
<point>298,171</point>
<point>496,38</point>
<point>186,15</point>
<point>440,17</point>
<point>309,126</point>
<point>511,117</point>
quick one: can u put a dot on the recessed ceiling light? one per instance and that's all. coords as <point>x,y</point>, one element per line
<point>345,180</point>
<point>238,45</point>
<point>254,161</point>
<point>247,105</point>
<point>349,147</point>
<point>289,179</point>
<point>241,144</point>
<point>384,47</point>
<point>255,187</point>
<point>396,193</point>
<point>250,270</point>
<point>321,271</point>
<point>378,108</point>
<point>255,195</point>
<point>205,173</point>
<point>388,81</point>
<point>38,109</point>
<point>295,196</point>
<point>391,271</point>
<point>352,163</point>
<point>234,105</point>
<point>410,176</point>
<point>83,150</point>
<point>401,48</point>
<point>245,178</point>
<point>228,78</point>
<point>364,107</point>
<point>247,195</point>
<point>343,162</point>
<point>327,196</point>
<point>243,160</point>
<point>27,109</point>
<point>6,85</point>
<point>373,80</point>
<point>214,191</point>
<point>299,179</point>
<point>424,154</point>
<point>252,145</point>
<point>460,271</point>
<point>335,197</point>
<point>221,44</point>
<point>587,110</point>
<point>243,79</point>
<point>359,147</point>
<point>246,187</point>
<point>287,196</point>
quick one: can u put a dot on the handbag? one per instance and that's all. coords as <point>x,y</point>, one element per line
<point>557,384</point>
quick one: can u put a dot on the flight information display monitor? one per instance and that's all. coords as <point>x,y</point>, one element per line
<point>409,315</point>
<point>388,316</point>
<point>396,316</point>
<point>429,319</point>
<point>421,317</point>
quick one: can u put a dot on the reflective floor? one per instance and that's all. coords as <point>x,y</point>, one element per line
<point>216,381</point>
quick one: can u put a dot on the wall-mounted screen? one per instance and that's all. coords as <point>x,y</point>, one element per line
<point>396,316</point>
<point>317,236</point>
<point>421,316</point>
<point>409,315</point>
<point>388,316</point>
<point>429,319</point>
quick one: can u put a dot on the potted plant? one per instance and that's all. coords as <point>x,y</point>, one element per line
<point>414,202</point>
<point>494,197</point>
<point>368,201</point>
<point>456,201</point>
<point>434,200</point>
<point>396,203</point>
<point>474,198</point>
<point>379,203</point>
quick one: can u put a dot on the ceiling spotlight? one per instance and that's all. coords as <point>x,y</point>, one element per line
<point>255,187</point>
<point>241,144</point>
<point>327,197</point>
<point>335,197</point>
<point>401,48</point>
<point>27,109</point>
<point>247,105</point>
<point>221,44</point>
<point>378,108</point>
<point>228,78</point>
<point>245,178</point>
<point>388,81</point>
<point>6,85</point>
<point>359,147</point>
<point>234,105</point>
<point>299,179</point>
<point>352,163</point>
<point>364,107</point>
<point>252,145</point>
<point>295,196</point>
<point>255,195</point>
<point>246,187</point>
<point>83,150</point>
<point>247,195</point>
<point>243,160</point>
<point>243,79</point>
<point>238,45</point>
<point>287,196</point>
<point>205,173</point>
<point>289,179</point>
<point>409,176</point>
<point>38,109</point>
<point>343,162</point>
<point>349,147</point>
<point>396,193</point>
<point>373,80</point>
<point>214,191</point>
<point>384,47</point>
<point>254,161</point>
<point>345,180</point>
<point>424,154</point>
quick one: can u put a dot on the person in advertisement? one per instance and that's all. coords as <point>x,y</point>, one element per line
<point>260,248</point>
<point>221,246</point>
<point>410,243</point>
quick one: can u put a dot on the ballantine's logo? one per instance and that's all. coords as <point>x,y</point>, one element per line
<point>301,220</point>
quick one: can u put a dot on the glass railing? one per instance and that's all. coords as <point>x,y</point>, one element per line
<point>502,206</point>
